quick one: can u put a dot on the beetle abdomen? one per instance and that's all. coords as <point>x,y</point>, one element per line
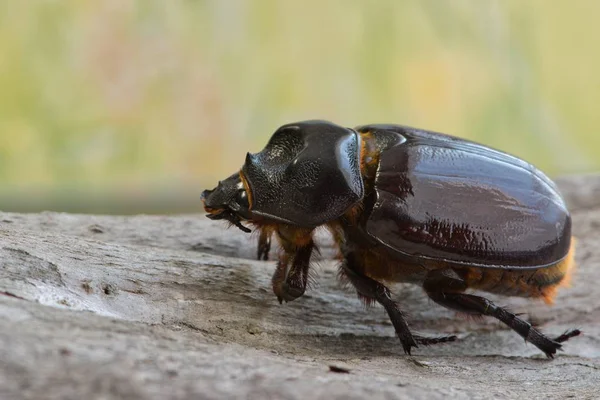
<point>541,282</point>
<point>446,199</point>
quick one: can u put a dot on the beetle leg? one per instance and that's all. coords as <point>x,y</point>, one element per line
<point>371,290</point>
<point>291,276</point>
<point>444,287</point>
<point>290,284</point>
<point>264,245</point>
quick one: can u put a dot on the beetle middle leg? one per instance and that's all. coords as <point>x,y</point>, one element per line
<point>372,290</point>
<point>445,287</point>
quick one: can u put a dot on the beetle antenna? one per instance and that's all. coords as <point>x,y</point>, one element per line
<point>235,220</point>
<point>242,227</point>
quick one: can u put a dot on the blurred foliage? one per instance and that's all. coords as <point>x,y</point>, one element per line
<point>119,98</point>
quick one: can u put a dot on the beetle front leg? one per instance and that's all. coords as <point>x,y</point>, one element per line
<point>291,275</point>
<point>264,244</point>
<point>289,281</point>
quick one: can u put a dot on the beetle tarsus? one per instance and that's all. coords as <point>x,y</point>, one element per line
<point>480,305</point>
<point>427,341</point>
<point>567,335</point>
<point>442,287</point>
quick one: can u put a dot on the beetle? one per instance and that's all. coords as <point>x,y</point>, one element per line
<point>405,205</point>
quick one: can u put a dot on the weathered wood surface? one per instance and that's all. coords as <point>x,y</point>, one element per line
<point>150,307</point>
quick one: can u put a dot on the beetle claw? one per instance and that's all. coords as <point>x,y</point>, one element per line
<point>408,343</point>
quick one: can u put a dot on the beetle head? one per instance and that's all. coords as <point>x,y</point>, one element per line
<point>228,201</point>
<point>308,174</point>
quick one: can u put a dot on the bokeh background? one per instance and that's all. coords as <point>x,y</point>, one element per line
<point>122,106</point>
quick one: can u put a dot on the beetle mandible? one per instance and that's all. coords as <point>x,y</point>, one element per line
<point>405,205</point>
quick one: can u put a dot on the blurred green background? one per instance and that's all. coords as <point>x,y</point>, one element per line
<point>120,106</point>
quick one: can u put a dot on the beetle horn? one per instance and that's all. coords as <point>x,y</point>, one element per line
<point>251,159</point>
<point>252,166</point>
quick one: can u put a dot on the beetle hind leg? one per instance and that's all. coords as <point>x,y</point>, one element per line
<point>445,287</point>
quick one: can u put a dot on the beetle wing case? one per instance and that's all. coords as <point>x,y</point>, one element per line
<point>444,198</point>
<point>308,174</point>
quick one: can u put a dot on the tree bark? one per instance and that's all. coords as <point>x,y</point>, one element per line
<point>148,307</point>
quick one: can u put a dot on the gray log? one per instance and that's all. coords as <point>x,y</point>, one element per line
<point>148,307</point>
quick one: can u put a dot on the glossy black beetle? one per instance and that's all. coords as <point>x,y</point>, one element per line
<point>405,205</point>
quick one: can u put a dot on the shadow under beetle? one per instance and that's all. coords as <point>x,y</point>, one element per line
<point>405,205</point>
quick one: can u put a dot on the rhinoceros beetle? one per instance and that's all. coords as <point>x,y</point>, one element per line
<point>405,205</point>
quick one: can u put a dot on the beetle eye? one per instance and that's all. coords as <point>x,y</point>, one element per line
<point>241,198</point>
<point>241,205</point>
